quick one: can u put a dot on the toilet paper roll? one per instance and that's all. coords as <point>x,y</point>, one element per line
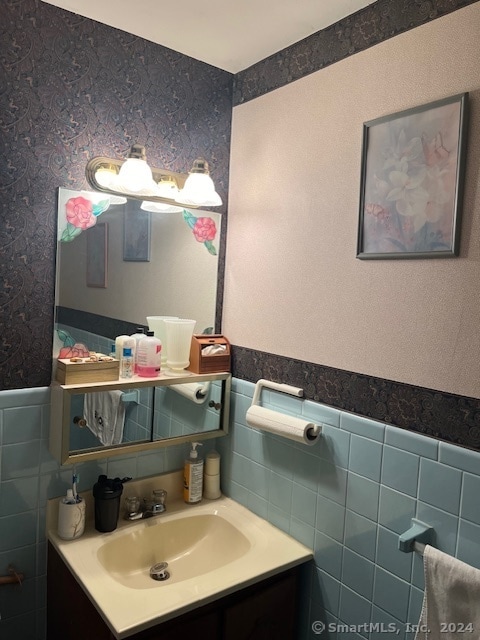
<point>194,391</point>
<point>283,425</point>
<point>211,487</point>
<point>212,463</point>
<point>71,519</point>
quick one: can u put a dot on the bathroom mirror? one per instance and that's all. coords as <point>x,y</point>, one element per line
<point>118,263</point>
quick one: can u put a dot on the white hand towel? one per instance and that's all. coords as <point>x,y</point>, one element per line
<point>104,413</point>
<point>451,603</point>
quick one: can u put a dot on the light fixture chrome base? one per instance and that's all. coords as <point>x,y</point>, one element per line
<point>111,164</point>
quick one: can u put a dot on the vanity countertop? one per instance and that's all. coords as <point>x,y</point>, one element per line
<point>130,609</point>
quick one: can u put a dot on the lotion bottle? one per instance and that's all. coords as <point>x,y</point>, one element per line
<point>119,346</point>
<point>193,476</point>
<point>126,363</point>
<point>149,356</point>
<point>139,335</point>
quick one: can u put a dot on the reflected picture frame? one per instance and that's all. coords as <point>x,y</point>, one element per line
<point>411,187</point>
<point>97,255</point>
<point>136,235</point>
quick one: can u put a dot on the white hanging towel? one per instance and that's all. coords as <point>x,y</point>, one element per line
<point>104,413</point>
<point>451,602</point>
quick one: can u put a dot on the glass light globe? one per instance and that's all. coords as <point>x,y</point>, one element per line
<point>199,190</point>
<point>135,175</point>
<point>106,177</point>
<point>159,207</point>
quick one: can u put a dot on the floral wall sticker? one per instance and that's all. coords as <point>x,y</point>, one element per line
<point>203,228</point>
<point>71,349</point>
<point>412,174</point>
<point>81,214</point>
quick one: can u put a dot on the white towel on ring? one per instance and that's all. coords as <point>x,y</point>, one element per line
<point>104,413</point>
<point>451,602</point>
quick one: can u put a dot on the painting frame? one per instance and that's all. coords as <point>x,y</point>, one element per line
<point>412,179</point>
<point>137,226</point>
<point>97,256</point>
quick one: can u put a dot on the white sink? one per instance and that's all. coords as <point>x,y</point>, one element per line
<point>192,545</point>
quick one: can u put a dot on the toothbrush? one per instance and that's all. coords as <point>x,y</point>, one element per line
<point>74,486</point>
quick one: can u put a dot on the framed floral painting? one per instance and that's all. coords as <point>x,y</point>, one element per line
<point>412,182</point>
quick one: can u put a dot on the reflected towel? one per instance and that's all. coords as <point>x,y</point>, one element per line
<point>451,600</point>
<point>104,413</point>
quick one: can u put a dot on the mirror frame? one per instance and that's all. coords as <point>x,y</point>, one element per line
<point>61,396</point>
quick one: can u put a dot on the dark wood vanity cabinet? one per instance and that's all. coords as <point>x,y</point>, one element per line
<point>263,611</point>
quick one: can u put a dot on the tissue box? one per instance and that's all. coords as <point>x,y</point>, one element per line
<point>211,363</point>
<point>79,372</point>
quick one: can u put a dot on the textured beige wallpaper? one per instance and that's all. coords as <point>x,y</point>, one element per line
<point>293,284</point>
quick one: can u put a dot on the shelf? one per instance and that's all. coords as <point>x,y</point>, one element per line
<point>138,382</point>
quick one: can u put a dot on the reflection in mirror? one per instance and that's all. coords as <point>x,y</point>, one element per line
<point>110,418</point>
<point>187,409</point>
<point>131,263</point>
<point>85,427</point>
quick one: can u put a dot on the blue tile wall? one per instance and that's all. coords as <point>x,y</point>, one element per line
<point>29,476</point>
<point>348,497</point>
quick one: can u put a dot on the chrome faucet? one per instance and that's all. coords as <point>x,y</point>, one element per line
<point>153,506</point>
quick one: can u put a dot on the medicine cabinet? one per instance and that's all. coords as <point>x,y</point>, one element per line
<point>156,412</point>
<point>117,264</point>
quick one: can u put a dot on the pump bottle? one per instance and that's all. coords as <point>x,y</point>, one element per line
<point>193,476</point>
<point>149,356</point>
<point>139,335</point>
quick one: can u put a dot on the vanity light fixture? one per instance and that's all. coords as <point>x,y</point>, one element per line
<point>170,190</point>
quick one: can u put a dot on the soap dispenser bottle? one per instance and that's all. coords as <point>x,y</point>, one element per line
<point>149,356</point>
<point>193,476</point>
<point>139,335</point>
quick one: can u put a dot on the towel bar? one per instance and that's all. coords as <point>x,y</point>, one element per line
<point>14,576</point>
<point>416,537</point>
<point>130,396</point>
<point>419,547</point>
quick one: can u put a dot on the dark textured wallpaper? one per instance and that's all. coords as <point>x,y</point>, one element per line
<point>365,28</point>
<point>70,89</point>
<point>446,416</point>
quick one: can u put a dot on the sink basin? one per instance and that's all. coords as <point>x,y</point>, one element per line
<point>192,545</point>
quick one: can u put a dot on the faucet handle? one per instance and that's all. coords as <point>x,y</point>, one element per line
<point>156,504</point>
<point>159,496</point>
<point>132,505</point>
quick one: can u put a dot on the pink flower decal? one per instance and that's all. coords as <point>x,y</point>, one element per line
<point>204,229</point>
<point>78,350</point>
<point>80,213</point>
